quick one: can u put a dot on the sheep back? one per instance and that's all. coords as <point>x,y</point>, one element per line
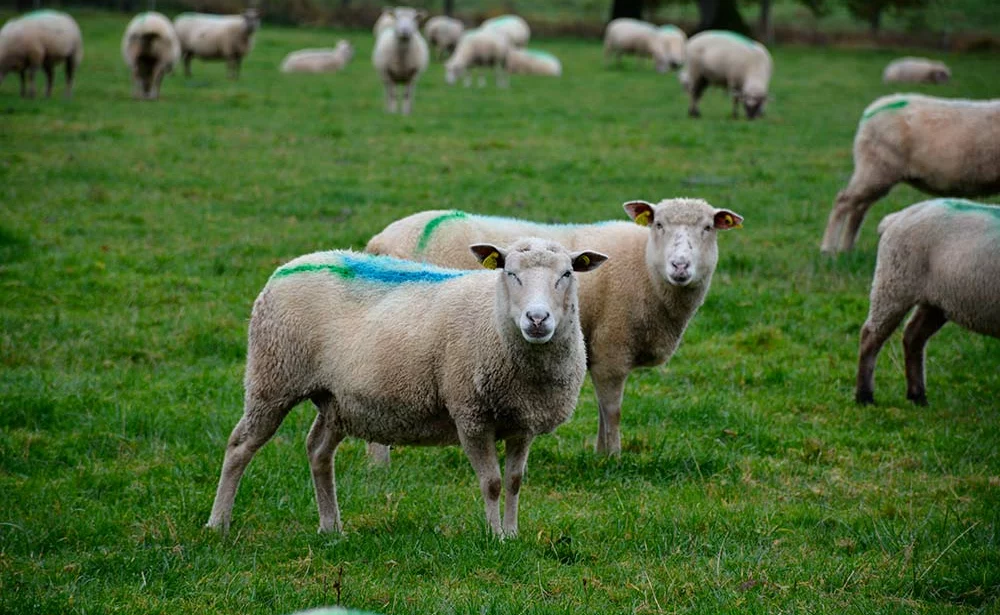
<point>37,37</point>
<point>916,70</point>
<point>150,35</point>
<point>729,59</point>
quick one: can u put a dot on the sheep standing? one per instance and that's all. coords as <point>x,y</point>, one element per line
<point>443,34</point>
<point>676,42</point>
<point>634,37</point>
<point>40,39</point>
<point>400,57</point>
<point>533,62</point>
<point>397,352</point>
<point>730,60</point>
<point>150,49</point>
<point>478,49</point>
<point>323,60</point>
<point>916,70</point>
<point>941,146</point>
<point>942,256</point>
<point>217,37</point>
<point>514,27</point>
<point>633,311</point>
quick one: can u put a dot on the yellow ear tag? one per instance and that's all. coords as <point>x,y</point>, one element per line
<point>490,262</point>
<point>643,218</point>
<point>584,259</point>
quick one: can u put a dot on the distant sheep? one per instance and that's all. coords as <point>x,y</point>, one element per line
<point>150,49</point>
<point>401,353</point>
<point>217,37</point>
<point>443,34</point>
<point>676,43</point>
<point>513,27</point>
<point>478,49</point>
<point>400,57</point>
<point>533,62</point>
<point>385,21</point>
<point>325,60</point>
<point>625,36</point>
<point>730,60</point>
<point>941,146</point>
<point>40,39</point>
<point>916,70</point>
<point>942,257</point>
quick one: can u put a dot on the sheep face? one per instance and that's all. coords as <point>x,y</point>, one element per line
<point>252,19</point>
<point>406,22</point>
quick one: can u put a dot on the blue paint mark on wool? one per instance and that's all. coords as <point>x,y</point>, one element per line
<point>371,268</point>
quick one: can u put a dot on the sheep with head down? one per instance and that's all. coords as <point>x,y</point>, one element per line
<point>150,49</point>
<point>730,60</point>
<point>40,39</point>
<point>478,49</point>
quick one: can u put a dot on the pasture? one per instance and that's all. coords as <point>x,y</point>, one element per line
<point>134,238</point>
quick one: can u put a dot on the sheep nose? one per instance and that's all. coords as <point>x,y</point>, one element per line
<point>537,317</point>
<point>680,266</point>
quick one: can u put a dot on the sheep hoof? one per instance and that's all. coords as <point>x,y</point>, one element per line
<point>694,113</point>
<point>865,398</point>
<point>919,399</point>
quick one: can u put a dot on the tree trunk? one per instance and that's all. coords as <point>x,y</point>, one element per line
<point>449,7</point>
<point>626,8</point>
<point>721,15</point>
<point>876,20</point>
<point>765,26</point>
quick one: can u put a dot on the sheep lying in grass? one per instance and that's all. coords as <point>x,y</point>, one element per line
<point>443,34</point>
<point>513,27</point>
<point>478,49</point>
<point>397,352</point>
<point>324,60</point>
<point>942,256</point>
<point>730,60</point>
<point>533,62</point>
<point>916,70</point>
<point>639,38</point>
<point>150,49</point>
<point>400,57</point>
<point>941,146</point>
<point>40,39</point>
<point>217,37</point>
<point>633,311</point>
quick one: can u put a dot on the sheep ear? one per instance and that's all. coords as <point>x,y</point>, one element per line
<point>489,256</point>
<point>587,260</point>
<point>726,219</point>
<point>641,212</point>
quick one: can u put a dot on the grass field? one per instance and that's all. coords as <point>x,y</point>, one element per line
<point>135,236</point>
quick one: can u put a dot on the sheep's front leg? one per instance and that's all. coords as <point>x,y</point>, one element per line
<point>925,322</point>
<point>50,76</point>
<point>70,70</point>
<point>502,76</point>
<point>322,445</point>
<point>378,454</point>
<point>31,82</point>
<point>408,96</point>
<point>187,63</point>
<point>482,453</point>
<point>516,460</point>
<point>610,387</point>
<point>234,68</point>
<point>390,96</point>
<point>697,89</point>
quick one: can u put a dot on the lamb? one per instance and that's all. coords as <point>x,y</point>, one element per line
<point>400,57</point>
<point>942,256</point>
<point>217,37</point>
<point>916,70</point>
<point>443,34</point>
<point>513,27</point>
<point>398,352</point>
<point>940,146</point>
<point>730,60</point>
<point>478,48</point>
<point>633,310</point>
<point>634,37</point>
<point>150,49</point>
<point>533,62</point>
<point>325,60</point>
<point>40,39</point>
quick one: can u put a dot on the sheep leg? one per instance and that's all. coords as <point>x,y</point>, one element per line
<point>378,454</point>
<point>31,82</point>
<point>609,388</point>
<point>390,97</point>
<point>49,71</point>
<point>408,96</point>
<point>697,89</point>
<point>925,322</point>
<point>233,68</point>
<point>502,77</point>
<point>884,317</point>
<point>70,71</point>
<point>187,56</point>
<point>514,464</point>
<point>482,453</point>
<point>24,91</point>
<point>322,444</point>
<point>158,74</point>
<point>851,205</point>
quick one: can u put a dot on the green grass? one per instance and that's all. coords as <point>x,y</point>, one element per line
<point>135,236</point>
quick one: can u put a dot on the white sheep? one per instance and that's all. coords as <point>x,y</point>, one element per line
<point>676,43</point>
<point>742,66</point>
<point>943,257</point>
<point>217,37</point>
<point>400,57</point>
<point>324,60</point>
<point>916,70</point>
<point>40,39</point>
<point>443,34</point>
<point>401,353</point>
<point>533,62</point>
<point>385,21</point>
<point>941,146</point>
<point>150,49</point>
<point>633,310</point>
<point>514,27</point>
<point>478,49</point>
<point>639,38</point>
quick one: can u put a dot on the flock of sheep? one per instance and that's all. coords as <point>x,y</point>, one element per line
<point>415,343</point>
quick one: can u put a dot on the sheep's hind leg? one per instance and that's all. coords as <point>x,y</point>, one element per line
<point>322,445</point>
<point>610,387</point>
<point>925,322</point>
<point>187,56</point>
<point>50,76</point>
<point>70,71</point>
<point>884,317</point>
<point>516,459</point>
<point>482,453</point>
<point>850,207</point>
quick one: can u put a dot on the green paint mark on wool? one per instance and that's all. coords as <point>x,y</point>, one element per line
<point>893,106</point>
<point>736,36</point>
<point>967,206</point>
<point>669,28</point>
<point>543,55</point>
<point>499,20</point>
<point>40,13</point>
<point>425,237</point>
<point>334,268</point>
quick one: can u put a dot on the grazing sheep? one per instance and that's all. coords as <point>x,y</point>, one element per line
<point>730,60</point>
<point>942,256</point>
<point>639,38</point>
<point>397,352</point>
<point>533,62</point>
<point>40,39</point>
<point>478,49</point>
<point>217,37</point>
<point>150,49</point>
<point>941,146</point>
<point>385,21</point>
<point>443,34</point>
<point>676,42</point>
<point>400,57</point>
<point>916,70</point>
<point>633,311</point>
<point>324,60</point>
<point>513,27</point>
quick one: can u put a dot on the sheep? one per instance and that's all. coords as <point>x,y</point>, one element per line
<point>150,49</point>
<point>633,311</point>
<point>676,41</point>
<point>942,256</point>
<point>478,48</point>
<point>384,22</point>
<point>916,70</point>
<point>400,56</point>
<point>217,37</point>
<point>443,34</point>
<point>40,39</point>
<point>397,352</point>
<point>533,62</point>
<point>940,146</point>
<point>513,27</point>
<point>634,37</point>
<point>324,60</point>
<point>743,66</point>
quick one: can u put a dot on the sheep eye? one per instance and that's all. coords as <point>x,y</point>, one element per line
<point>658,226</point>
<point>708,228</point>
<point>514,275</point>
